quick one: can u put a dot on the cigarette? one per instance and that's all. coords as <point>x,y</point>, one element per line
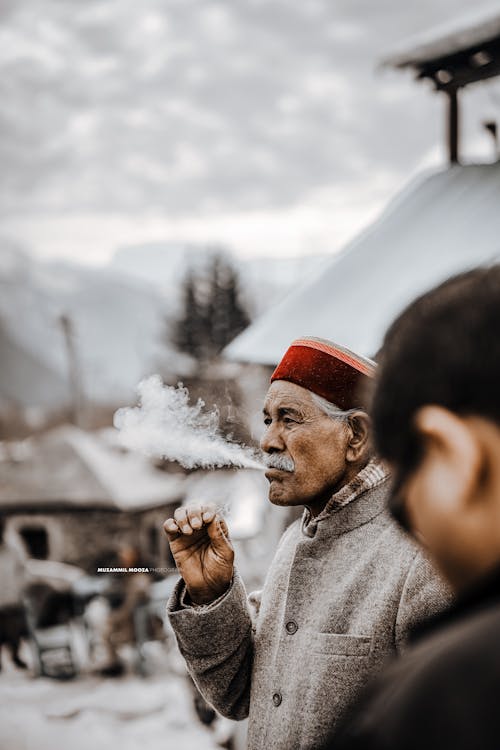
<point>223,510</point>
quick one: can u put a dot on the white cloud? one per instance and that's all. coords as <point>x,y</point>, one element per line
<point>322,223</point>
<point>263,120</point>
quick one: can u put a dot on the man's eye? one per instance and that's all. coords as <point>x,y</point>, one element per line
<point>289,420</point>
<point>267,421</point>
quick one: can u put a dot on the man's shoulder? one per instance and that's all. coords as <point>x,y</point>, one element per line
<point>399,538</point>
<point>392,536</point>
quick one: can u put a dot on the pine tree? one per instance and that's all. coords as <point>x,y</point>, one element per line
<point>237,315</point>
<point>212,311</point>
<point>227,315</point>
<point>189,333</point>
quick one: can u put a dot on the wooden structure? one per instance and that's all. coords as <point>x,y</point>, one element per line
<point>452,58</point>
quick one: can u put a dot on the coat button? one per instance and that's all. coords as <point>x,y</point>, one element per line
<point>277,699</point>
<point>291,627</point>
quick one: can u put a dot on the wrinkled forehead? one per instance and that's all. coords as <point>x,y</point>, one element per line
<point>283,394</point>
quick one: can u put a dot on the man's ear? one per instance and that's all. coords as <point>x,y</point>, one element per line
<point>359,441</point>
<point>452,449</point>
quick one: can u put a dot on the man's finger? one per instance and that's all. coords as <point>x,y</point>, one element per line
<point>182,521</point>
<point>198,514</point>
<point>223,526</point>
<point>170,528</point>
<point>209,511</point>
<point>194,515</point>
<point>219,534</point>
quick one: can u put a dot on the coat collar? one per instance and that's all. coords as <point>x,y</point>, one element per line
<point>372,476</point>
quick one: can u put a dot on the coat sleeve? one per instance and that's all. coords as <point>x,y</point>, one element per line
<point>424,594</point>
<point>217,643</point>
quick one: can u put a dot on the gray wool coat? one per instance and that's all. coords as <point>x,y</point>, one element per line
<point>340,597</point>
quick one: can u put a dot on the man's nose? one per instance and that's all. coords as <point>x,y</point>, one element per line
<point>272,441</point>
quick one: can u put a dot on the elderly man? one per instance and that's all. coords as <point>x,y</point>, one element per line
<point>345,584</point>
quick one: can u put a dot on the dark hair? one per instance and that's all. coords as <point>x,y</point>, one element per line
<point>443,349</point>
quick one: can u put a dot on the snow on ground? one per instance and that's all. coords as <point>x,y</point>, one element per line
<point>92,713</point>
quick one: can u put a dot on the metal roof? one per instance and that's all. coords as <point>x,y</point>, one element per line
<point>441,224</point>
<point>68,468</point>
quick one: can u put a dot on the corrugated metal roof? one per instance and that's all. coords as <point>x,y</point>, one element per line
<point>439,225</point>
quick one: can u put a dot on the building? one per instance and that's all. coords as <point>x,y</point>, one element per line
<point>76,497</point>
<point>440,224</point>
<point>463,53</point>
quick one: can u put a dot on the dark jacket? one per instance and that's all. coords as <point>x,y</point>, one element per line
<point>445,692</point>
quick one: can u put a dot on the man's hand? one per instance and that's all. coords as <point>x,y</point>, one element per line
<point>199,541</point>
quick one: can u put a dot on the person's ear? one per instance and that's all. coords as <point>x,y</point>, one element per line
<point>452,452</point>
<point>359,440</point>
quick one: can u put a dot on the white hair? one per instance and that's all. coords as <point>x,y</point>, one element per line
<point>332,410</point>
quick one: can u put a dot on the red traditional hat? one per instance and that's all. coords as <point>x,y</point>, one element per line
<point>327,369</point>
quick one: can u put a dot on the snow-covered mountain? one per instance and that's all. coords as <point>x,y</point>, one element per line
<point>119,327</point>
<point>26,380</point>
<point>119,316</point>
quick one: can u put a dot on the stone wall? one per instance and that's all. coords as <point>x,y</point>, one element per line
<point>91,538</point>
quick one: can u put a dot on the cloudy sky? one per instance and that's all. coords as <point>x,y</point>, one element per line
<point>263,124</point>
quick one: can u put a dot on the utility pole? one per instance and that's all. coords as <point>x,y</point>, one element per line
<point>76,396</point>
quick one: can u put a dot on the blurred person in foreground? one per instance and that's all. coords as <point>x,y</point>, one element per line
<point>12,582</point>
<point>436,412</point>
<point>345,584</point>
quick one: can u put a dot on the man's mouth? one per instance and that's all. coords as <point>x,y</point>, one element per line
<point>272,474</point>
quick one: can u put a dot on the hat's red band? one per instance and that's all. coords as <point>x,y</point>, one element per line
<point>326,369</point>
<point>365,366</point>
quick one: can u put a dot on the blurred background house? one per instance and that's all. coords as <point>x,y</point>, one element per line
<point>76,497</point>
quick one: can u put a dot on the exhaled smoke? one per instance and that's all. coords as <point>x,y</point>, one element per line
<point>165,425</point>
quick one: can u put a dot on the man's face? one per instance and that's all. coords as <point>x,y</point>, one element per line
<point>301,436</point>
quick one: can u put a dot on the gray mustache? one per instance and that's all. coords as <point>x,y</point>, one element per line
<point>282,463</point>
